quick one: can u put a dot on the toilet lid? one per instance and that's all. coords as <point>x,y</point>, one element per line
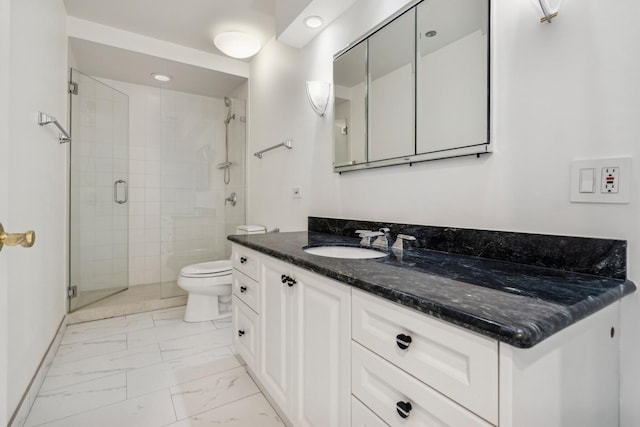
<point>206,268</point>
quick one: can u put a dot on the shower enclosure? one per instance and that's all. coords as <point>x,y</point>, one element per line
<point>203,180</point>
<point>99,174</point>
<point>175,158</point>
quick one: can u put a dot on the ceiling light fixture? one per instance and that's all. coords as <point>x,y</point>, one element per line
<point>162,77</point>
<point>313,21</point>
<point>236,44</point>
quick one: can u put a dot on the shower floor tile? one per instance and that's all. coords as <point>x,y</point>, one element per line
<point>136,299</point>
<point>149,369</point>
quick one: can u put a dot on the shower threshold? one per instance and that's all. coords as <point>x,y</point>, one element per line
<point>136,299</point>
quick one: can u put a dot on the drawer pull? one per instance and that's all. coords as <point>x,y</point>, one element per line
<point>240,332</point>
<point>243,260</point>
<point>403,408</point>
<point>288,280</point>
<point>403,341</point>
<point>243,289</point>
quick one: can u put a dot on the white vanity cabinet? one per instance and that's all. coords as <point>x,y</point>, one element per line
<point>303,342</point>
<point>435,371</point>
<point>454,377</point>
<point>328,354</point>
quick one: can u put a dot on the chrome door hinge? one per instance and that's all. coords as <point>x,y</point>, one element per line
<point>72,292</point>
<point>73,88</point>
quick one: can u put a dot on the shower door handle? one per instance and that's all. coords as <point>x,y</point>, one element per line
<point>126,191</point>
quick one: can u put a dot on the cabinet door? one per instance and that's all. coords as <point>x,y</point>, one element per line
<point>321,341</point>
<point>274,366</point>
<point>245,338</point>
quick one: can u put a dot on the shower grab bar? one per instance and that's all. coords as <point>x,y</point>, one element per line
<point>115,192</point>
<point>287,143</point>
<point>45,119</point>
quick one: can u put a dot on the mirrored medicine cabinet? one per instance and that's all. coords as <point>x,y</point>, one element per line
<point>415,88</point>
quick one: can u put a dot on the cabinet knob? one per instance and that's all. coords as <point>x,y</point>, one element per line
<point>403,341</point>
<point>240,332</point>
<point>243,289</point>
<point>243,260</point>
<point>403,408</point>
<point>291,281</point>
<point>284,278</point>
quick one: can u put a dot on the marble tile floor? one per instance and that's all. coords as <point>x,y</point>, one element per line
<point>146,370</point>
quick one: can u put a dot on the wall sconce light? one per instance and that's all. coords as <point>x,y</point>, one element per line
<point>318,93</point>
<point>549,9</point>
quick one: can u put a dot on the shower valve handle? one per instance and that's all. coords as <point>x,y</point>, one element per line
<point>233,199</point>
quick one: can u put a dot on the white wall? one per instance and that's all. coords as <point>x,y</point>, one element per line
<point>561,91</point>
<point>37,176</point>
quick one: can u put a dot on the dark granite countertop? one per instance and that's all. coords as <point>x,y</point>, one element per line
<point>514,303</point>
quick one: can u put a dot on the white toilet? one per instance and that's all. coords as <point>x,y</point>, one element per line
<point>209,285</point>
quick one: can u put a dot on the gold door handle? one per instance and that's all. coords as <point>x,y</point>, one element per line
<point>25,240</point>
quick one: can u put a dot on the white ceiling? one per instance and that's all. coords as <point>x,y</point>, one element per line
<point>99,60</point>
<point>191,23</point>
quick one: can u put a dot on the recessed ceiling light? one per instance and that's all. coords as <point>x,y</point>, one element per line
<point>161,77</point>
<point>313,21</point>
<point>237,44</point>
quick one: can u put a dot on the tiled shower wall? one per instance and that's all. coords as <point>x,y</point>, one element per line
<point>176,193</point>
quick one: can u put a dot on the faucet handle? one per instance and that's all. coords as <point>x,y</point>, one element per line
<point>399,243</point>
<point>366,236</point>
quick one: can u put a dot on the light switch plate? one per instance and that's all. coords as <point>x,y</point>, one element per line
<point>579,168</point>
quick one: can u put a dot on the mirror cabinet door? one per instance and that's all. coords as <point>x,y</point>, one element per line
<point>349,130</point>
<point>452,101</point>
<point>391,112</point>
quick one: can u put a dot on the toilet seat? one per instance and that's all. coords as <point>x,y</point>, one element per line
<point>207,269</point>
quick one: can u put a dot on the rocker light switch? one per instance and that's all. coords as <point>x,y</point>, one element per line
<point>587,180</point>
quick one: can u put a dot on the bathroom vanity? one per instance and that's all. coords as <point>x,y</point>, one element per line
<point>427,336</point>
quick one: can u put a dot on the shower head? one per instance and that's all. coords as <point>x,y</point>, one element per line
<point>227,102</point>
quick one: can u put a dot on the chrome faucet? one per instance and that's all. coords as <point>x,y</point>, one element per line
<point>383,239</point>
<point>366,236</point>
<point>399,243</point>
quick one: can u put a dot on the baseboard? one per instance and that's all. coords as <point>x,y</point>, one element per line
<point>19,416</point>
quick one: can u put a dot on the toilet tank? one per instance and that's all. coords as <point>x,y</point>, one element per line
<point>250,229</point>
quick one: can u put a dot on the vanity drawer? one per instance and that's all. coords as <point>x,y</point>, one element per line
<point>246,289</point>
<point>459,364</point>
<point>245,260</point>
<point>245,330</point>
<point>385,388</point>
<point>361,416</point>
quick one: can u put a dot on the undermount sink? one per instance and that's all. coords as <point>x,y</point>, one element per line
<point>350,252</point>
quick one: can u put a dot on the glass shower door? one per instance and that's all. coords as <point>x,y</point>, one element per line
<point>99,209</point>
